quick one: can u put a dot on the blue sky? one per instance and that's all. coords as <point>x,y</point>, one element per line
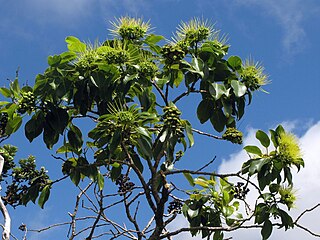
<point>283,35</point>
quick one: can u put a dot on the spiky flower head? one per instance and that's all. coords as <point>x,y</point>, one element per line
<point>130,28</point>
<point>287,196</point>
<point>253,75</point>
<point>289,149</point>
<point>233,135</point>
<point>114,52</point>
<point>88,57</point>
<point>194,31</point>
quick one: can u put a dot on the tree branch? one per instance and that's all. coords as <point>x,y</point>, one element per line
<point>4,210</point>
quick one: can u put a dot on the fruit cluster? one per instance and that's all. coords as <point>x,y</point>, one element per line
<point>116,56</point>
<point>124,184</point>
<point>148,69</point>
<point>26,103</point>
<point>172,54</point>
<point>175,206</point>
<point>171,119</point>
<point>240,191</point>
<point>233,135</point>
<point>3,123</point>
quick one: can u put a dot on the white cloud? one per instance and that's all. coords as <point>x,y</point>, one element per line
<point>306,182</point>
<point>290,15</point>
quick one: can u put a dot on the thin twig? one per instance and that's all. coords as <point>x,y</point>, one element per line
<point>206,134</point>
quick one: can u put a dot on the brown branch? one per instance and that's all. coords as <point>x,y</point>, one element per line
<point>206,165</point>
<point>160,92</point>
<point>141,178</point>
<point>73,215</point>
<point>4,210</point>
<point>100,202</point>
<point>207,134</point>
<point>305,211</point>
<point>131,219</point>
<point>307,230</point>
<point>187,93</point>
<point>225,229</point>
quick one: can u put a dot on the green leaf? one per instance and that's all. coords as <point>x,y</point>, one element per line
<point>274,138</point>
<point>153,39</point>
<point>280,130</point>
<point>189,178</point>
<point>115,172</point>
<point>286,220</point>
<point>75,176</point>
<point>201,182</point>
<point>67,57</point>
<point>266,230</point>
<point>100,181</point>
<point>235,62</point>
<point>115,140</point>
<point>178,79</point>
<point>13,124</point>
<point>75,137</point>
<point>193,213</point>
<point>54,61</point>
<point>137,162</point>
<point>50,136</point>
<point>218,120</point>
<point>218,235</point>
<point>189,133</point>
<point>144,148</point>
<point>239,88</point>
<point>205,110</point>
<point>256,166</point>
<point>197,66</point>
<point>34,126</point>
<point>5,92</point>
<point>44,196</point>
<point>58,119</point>
<point>64,149</point>
<point>253,149</point>
<point>75,45</point>
<point>15,88</point>
<point>263,138</point>
<point>217,90</point>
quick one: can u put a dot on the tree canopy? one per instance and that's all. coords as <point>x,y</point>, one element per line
<point>110,111</point>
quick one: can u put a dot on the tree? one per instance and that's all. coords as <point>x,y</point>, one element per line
<point>126,91</point>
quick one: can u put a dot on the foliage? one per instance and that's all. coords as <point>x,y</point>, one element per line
<point>128,88</point>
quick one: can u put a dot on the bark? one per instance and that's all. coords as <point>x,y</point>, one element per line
<point>4,211</point>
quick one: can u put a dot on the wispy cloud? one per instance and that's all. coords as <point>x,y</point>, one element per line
<point>306,182</point>
<point>290,15</point>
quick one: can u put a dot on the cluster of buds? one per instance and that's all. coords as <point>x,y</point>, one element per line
<point>233,135</point>
<point>148,69</point>
<point>171,120</point>
<point>3,123</point>
<point>194,36</point>
<point>124,184</point>
<point>116,56</point>
<point>172,54</point>
<point>240,191</point>
<point>175,206</point>
<point>26,103</point>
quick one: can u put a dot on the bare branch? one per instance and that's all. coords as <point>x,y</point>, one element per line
<point>4,210</point>
<point>207,134</point>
